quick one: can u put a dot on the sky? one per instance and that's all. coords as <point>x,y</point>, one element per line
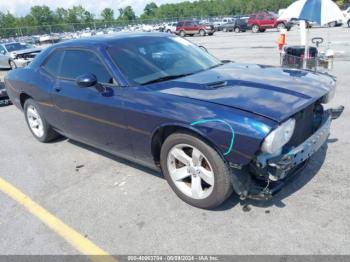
<point>22,7</point>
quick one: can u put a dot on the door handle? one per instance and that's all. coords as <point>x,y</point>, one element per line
<point>57,89</point>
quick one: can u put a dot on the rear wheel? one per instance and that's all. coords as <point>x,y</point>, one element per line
<point>37,124</point>
<point>195,171</point>
<point>168,31</point>
<point>255,28</point>
<point>281,26</point>
<point>182,33</point>
<point>224,29</point>
<point>237,30</point>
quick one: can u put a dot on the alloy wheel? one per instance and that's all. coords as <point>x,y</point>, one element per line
<point>35,121</point>
<point>190,171</point>
<point>281,26</point>
<point>255,28</point>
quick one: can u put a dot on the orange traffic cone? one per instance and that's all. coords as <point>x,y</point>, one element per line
<point>282,40</point>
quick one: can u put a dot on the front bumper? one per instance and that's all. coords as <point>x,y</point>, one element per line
<point>281,169</point>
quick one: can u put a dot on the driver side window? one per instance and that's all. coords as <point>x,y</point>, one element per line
<point>78,62</point>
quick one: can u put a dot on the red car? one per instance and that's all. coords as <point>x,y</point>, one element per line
<point>191,28</point>
<point>261,21</point>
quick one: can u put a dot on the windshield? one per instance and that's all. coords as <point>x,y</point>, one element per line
<point>150,59</point>
<point>17,46</point>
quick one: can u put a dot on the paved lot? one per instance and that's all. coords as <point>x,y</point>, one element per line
<point>127,209</point>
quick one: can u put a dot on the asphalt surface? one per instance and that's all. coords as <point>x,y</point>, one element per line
<point>126,209</point>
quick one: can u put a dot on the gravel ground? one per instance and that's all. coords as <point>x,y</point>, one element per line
<point>127,209</point>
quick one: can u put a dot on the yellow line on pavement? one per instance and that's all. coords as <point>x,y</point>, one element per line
<point>78,241</point>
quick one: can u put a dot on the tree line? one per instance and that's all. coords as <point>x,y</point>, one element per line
<point>41,19</point>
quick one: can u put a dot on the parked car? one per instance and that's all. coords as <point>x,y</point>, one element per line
<point>238,25</point>
<point>4,99</point>
<point>219,23</point>
<point>184,28</point>
<point>259,22</point>
<point>170,28</point>
<point>211,127</point>
<point>15,54</point>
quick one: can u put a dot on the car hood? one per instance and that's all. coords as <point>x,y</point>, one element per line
<point>272,92</point>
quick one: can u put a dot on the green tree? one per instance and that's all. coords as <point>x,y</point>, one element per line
<point>126,14</point>
<point>150,9</point>
<point>107,15</point>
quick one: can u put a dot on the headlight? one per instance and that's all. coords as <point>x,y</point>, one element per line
<point>279,137</point>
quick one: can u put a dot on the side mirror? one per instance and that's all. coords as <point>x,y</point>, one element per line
<point>86,80</point>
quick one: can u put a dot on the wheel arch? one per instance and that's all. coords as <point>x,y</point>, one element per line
<point>23,97</point>
<point>162,132</point>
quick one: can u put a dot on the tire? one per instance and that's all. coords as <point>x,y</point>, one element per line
<point>192,188</point>
<point>262,30</point>
<point>224,29</point>
<point>348,23</point>
<point>46,133</point>
<point>237,30</point>
<point>281,26</point>
<point>332,24</point>
<point>202,32</point>
<point>182,33</point>
<point>12,64</point>
<point>255,28</point>
<point>168,31</point>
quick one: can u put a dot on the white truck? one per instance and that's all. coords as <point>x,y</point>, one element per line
<point>346,13</point>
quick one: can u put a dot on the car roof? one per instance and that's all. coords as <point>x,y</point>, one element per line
<point>107,40</point>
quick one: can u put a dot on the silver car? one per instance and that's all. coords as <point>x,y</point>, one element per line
<point>15,54</point>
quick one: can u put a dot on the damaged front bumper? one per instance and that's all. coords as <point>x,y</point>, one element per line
<point>280,169</point>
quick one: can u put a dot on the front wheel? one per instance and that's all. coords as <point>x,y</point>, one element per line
<point>195,171</point>
<point>12,64</point>
<point>202,32</point>
<point>37,124</point>
<point>182,33</point>
<point>237,30</point>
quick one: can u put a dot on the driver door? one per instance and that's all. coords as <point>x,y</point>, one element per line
<point>89,115</point>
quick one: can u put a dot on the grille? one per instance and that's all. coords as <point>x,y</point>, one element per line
<point>304,126</point>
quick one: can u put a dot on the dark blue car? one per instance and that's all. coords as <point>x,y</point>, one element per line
<point>211,126</point>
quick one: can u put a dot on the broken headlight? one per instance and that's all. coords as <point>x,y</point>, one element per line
<point>279,137</point>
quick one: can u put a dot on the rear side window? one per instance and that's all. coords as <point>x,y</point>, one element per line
<point>189,24</point>
<point>79,62</point>
<point>52,64</point>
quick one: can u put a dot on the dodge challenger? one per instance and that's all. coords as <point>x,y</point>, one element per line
<point>212,127</point>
